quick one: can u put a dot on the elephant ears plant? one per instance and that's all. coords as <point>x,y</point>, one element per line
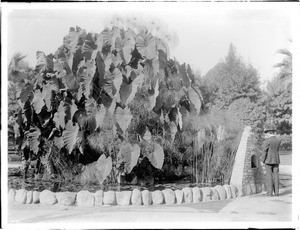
<point>117,93</point>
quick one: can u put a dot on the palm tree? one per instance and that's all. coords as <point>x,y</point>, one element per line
<point>286,67</point>
<point>16,67</point>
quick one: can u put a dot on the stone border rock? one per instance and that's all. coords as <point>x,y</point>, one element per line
<point>136,197</point>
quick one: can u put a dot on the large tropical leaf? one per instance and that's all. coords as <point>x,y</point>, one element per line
<point>87,76</point>
<point>123,117</point>
<point>58,142</point>
<point>117,82</point>
<point>147,46</point>
<point>87,123</point>
<point>33,139</point>
<point>155,65</point>
<point>117,59</point>
<point>102,39</point>
<point>28,111</point>
<point>190,73</point>
<point>71,109</point>
<point>176,116</point>
<point>70,136</point>
<point>100,81</point>
<point>59,116</point>
<point>44,63</point>
<point>96,141</point>
<point>89,46</point>
<point>157,157</point>
<point>179,119</point>
<point>130,154</point>
<point>147,136</point>
<point>125,91</point>
<point>109,121</point>
<point>153,97</point>
<point>99,116</point>
<point>79,93</point>
<point>62,67</point>
<point>107,61</point>
<point>26,93</point>
<point>104,167</point>
<point>115,34</point>
<point>173,128</point>
<point>163,46</point>
<point>91,106</point>
<point>138,81</point>
<point>195,98</point>
<point>112,106</point>
<point>47,94</point>
<point>185,79</point>
<point>38,101</point>
<point>129,45</point>
<point>71,41</point>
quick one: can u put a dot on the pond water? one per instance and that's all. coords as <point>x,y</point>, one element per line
<point>16,181</point>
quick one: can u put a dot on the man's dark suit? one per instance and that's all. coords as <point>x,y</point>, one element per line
<point>270,158</point>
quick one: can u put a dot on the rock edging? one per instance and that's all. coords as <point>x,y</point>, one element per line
<point>136,197</point>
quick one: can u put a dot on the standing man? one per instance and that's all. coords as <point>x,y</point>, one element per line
<point>270,158</point>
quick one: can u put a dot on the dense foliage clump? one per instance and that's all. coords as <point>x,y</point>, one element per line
<point>116,94</point>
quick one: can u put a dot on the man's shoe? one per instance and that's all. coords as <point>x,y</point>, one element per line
<point>267,194</point>
<point>276,195</point>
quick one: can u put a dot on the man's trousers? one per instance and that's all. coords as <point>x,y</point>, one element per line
<point>272,173</point>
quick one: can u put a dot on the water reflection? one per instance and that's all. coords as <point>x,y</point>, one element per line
<point>17,182</point>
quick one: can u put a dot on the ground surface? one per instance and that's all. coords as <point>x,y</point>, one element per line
<point>255,208</point>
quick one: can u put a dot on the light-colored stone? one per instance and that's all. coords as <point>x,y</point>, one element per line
<point>215,194</point>
<point>85,199</point>
<point>169,196</point>
<point>248,190</point>
<point>179,196</point>
<point>206,194</point>
<point>221,191</point>
<point>21,196</point>
<point>123,198</point>
<point>11,195</point>
<point>47,197</point>
<point>109,198</point>
<point>98,197</point>
<point>240,190</point>
<point>157,197</point>
<point>188,195</point>
<point>146,197</point>
<point>29,197</point>
<point>258,188</point>
<point>136,197</point>
<point>253,188</point>
<point>234,191</point>
<point>36,197</point>
<point>197,196</point>
<point>66,198</point>
<point>228,191</point>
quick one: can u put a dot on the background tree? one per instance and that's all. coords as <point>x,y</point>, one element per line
<point>234,86</point>
<point>279,99</point>
<point>279,91</point>
<point>285,66</point>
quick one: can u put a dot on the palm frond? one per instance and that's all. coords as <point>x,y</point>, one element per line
<point>284,52</point>
<point>16,59</point>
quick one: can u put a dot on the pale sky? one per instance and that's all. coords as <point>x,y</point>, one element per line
<point>204,31</point>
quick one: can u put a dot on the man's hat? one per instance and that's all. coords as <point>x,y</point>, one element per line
<point>269,131</point>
